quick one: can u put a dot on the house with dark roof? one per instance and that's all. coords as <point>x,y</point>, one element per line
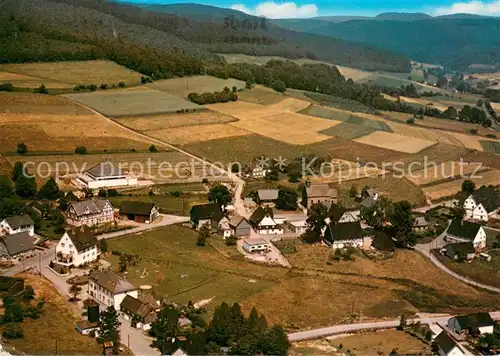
<point>240,226</point>
<point>139,211</point>
<point>90,212</point>
<point>383,242</point>
<point>16,245</point>
<point>267,196</point>
<point>16,224</point>
<point>320,193</point>
<point>340,235</point>
<point>110,289</point>
<point>77,247</point>
<point>204,214</point>
<point>460,250</point>
<point>338,214</point>
<point>472,324</point>
<point>447,346</point>
<point>105,175</point>
<point>483,204</point>
<point>466,231</point>
<point>262,221</point>
<point>140,314</point>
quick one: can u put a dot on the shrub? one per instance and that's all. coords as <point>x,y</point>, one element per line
<point>92,87</point>
<point>204,181</point>
<point>22,148</point>
<point>113,193</point>
<point>473,131</point>
<point>153,148</point>
<point>410,121</point>
<point>13,331</point>
<point>41,90</point>
<point>122,84</point>
<point>104,86</point>
<point>176,193</point>
<point>231,240</point>
<point>6,87</point>
<point>491,136</point>
<point>279,86</point>
<point>116,253</point>
<point>81,150</point>
<point>102,193</point>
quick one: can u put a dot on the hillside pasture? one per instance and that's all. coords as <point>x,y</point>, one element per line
<point>160,122</point>
<point>199,133</point>
<point>491,146</point>
<point>395,142</point>
<point>261,95</point>
<point>447,189</point>
<point>49,123</point>
<point>76,72</point>
<point>133,103</point>
<point>348,130</point>
<point>444,170</point>
<point>24,81</point>
<point>182,87</point>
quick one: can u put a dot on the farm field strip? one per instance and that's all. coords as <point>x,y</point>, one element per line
<point>199,133</point>
<point>261,95</point>
<point>395,142</point>
<point>491,146</point>
<point>348,131</point>
<point>448,189</point>
<point>133,103</point>
<point>444,170</point>
<point>77,72</point>
<point>424,102</point>
<point>182,87</point>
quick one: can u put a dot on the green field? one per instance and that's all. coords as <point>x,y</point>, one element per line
<point>340,103</point>
<point>168,204</point>
<point>491,146</point>
<point>181,271</point>
<point>348,130</point>
<point>133,103</point>
<point>182,87</point>
<point>261,95</point>
<point>181,187</point>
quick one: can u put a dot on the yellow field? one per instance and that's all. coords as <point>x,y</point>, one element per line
<point>278,121</point>
<point>425,102</point>
<point>395,142</point>
<point>447,189</point>
<point>200,133</point>
<point>50,123</point>
<point>261,95</point>
<point>159,122</point>
<point>24,81</point>
<point>442,171</point>
<point>423,133</point>
<point>182,87</point>
<point>76,72</point>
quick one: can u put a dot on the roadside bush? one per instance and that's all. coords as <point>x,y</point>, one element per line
<point>473,131</point>
<point>104,86</point>
<point>122,84</point>
<point>92,87</point>
<point>153,149</point>
<point>6,87</point>
<point>81,150</point>
<point>13,331</point>
<point>22,148</point>
<point>41,90</point>
<point>204,181</point>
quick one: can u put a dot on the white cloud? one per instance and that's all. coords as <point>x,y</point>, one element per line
<point>472,7</point>
<point>275,11</point>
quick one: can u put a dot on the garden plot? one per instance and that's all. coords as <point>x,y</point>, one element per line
<point>395,142</point>
<point>133,103</point>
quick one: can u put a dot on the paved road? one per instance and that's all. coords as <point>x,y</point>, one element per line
<point>340,329</point>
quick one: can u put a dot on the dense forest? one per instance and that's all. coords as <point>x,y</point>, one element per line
<point>86,22</point>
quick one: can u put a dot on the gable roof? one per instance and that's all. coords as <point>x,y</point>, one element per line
<point>445,342</point>
<point>464,229</point>
<point>489,197</point>
<point>237,220</point>
<point>17,221</point>
<point>474,321</point>
<point>91,206</point>
<point>260,214</point>
<point>135,306</point>
<point>343,231</point>
<point>210,211</point>
<point>17,243</point>
<point>112,281</point>
<point>320,190</point>
<point>383,242</point>
<point>267,194</point>
<point>461,247</point>
<point>336,212</point>
<point>104,169</point>
<point>137,208</point>
<point>82,237</point>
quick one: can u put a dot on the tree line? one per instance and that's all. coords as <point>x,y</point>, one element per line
<point>223,96</point>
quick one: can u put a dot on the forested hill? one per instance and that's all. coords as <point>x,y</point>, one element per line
<point>98,20</point>
<point>452,41</point>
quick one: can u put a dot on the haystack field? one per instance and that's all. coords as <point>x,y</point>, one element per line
<point>199,133</point>
<point>261,95</point>
<point>159,122</point>
<point>50,123</point>
<point>133,103</point>
<point>444,170</point>
<point>395,142</point>
<point>182,87</point>
<point>76,72</point>
<point>435,192</point>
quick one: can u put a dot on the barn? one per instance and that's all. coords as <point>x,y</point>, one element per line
<point>142,212</point>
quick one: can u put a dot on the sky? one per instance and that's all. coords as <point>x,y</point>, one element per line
<point>312,8</point>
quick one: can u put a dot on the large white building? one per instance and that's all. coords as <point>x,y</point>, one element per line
<point>77,247</point>
<point>16,224</point>
<point>109,288</point>
<point>105,175</point>
<point>466,231</point>
<point>263,222</point>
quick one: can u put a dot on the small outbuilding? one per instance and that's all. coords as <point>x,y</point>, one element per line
<point>142,212</point>
<point>255,245</point>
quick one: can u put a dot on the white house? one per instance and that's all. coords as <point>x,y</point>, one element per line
<point>109,288</point>
<point>16,224</point>
<point>77,247</point>
<point>483,204</point>
<point>447,346</point>
<point>225,229</point>
<point>253,245</point>
<point>340,235</point>
<point>466,231</point>
<point>473,324</point>
<point>90,212</point>
<point>298,226</point>
<point>263,223</point>
<point>105,175</point>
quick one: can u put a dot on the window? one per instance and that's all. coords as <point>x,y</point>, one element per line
<point>70,246</point>
<point>62,244</point>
